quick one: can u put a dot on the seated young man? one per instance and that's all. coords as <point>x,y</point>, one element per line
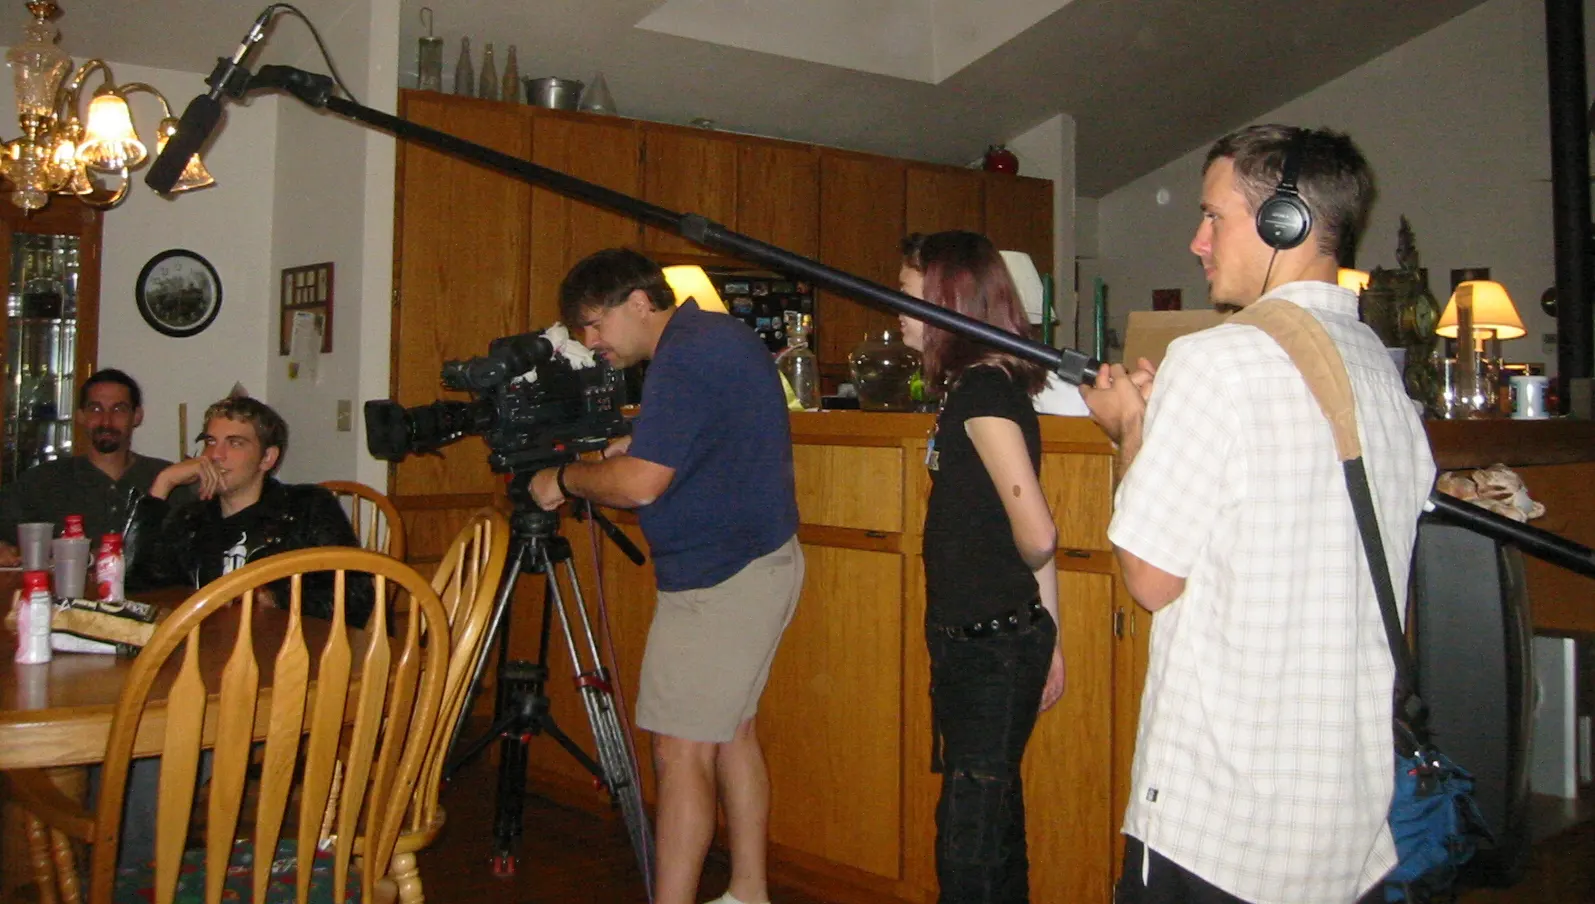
<point>242,513</point>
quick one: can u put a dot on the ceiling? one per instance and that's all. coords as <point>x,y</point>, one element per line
<point>1146,81</point>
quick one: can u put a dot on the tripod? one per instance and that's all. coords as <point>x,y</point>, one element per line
<point>521,710</point>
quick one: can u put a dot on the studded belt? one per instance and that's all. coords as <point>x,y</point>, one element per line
<point>1022,617</point>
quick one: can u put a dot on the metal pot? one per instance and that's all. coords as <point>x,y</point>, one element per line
<point>553,93</point>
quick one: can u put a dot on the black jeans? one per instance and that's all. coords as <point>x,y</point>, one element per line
<point>984,696</point>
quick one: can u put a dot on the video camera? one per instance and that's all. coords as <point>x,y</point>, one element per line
<point>539,400</point>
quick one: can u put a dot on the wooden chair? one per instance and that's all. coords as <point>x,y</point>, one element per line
<point>468,581</point>
<point>346,749</point>
<point>375,518</point>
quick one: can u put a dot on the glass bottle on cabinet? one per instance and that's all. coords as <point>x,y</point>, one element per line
<point>50,329</point>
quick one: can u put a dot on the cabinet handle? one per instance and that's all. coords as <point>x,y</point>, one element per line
<point>1077,553</point>
<point>1118,622</point>
<point>875,534</point>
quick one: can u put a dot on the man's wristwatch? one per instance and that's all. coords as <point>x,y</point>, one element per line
<point>559,480</point>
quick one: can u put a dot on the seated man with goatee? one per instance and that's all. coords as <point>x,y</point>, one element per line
<point>100,482</point>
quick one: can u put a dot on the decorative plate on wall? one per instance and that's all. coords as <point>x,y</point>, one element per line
<point>178,293</point>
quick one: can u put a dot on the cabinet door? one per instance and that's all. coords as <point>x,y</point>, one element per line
<point>1133,645</point>
<point>778,195</point>
<point>1079,491</point>
<point>941,199</point>
<point>1019,216</point>
<point>50,334</point>
<point>861,217</point>
<point>687,171</point>
<point>1068,763</point>
<point>602,150</point>
<point>830,716</point>
<point>462,246</point>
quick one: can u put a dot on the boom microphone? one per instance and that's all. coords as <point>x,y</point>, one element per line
<point>198,121</point>
<point>203,112</point>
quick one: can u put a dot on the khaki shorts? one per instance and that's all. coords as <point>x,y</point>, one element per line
<point>709,650</point>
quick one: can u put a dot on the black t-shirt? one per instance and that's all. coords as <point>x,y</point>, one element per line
<point>972,568</point>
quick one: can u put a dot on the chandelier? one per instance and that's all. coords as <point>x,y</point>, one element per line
<point>57,154</point>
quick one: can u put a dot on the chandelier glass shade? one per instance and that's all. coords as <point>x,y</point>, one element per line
<point>57,153</point>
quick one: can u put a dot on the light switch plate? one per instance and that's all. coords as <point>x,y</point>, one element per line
<point>345,415</point>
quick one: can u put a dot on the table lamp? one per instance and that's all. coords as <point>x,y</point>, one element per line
<point>689,281</point>
<point>1479,315</point>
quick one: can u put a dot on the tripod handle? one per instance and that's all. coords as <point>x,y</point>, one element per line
<point>581,508</point>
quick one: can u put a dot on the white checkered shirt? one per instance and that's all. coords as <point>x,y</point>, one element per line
<point>1263,763</point>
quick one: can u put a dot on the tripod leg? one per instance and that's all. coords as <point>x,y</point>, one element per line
<point>615,753</point>
<point>462,753</point>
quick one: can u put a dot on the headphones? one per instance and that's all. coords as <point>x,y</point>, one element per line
<point>1284,220</point>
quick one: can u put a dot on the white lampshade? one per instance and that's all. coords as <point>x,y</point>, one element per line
<point>689,281</point>
<point>1355,280</point>
<point>1493,311</point>
<point>111,143</point>
<point>1027,281</point>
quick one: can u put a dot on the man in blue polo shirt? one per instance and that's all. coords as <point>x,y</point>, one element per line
<point>709,468</point>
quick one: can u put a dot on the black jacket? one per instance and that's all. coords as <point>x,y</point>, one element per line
<point>191,544</point>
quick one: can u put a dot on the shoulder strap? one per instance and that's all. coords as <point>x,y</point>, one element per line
<point>1312,351</point>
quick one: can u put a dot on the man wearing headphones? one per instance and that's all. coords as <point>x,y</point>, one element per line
<point>1263,763</point>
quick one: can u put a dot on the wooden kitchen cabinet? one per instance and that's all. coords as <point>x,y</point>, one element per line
<point>778,195</point>
<point>861,214</point>
<point>687,171</point>
<point>480,255</point>
<point>1018,216</point>
<point>940,198</point>
<point>461,266</point>
<point>603,150</point>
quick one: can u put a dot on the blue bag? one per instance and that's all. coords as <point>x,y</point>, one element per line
<point>1436,824</point>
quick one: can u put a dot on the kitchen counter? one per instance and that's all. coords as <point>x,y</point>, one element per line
<point>1556,459</point>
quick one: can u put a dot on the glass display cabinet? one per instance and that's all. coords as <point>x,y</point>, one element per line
<point>50,334</point>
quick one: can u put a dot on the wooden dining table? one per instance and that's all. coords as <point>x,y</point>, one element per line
<point>59,713</point>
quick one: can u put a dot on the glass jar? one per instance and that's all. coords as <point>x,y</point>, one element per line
<point>883,372</point>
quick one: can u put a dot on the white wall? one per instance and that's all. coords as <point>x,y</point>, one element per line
<point>1456,127</point>
<point>1047,152</point>
<point>229,224</point>
<point>334,197</point>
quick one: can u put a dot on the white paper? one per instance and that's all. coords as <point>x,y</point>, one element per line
<point>304,346</point>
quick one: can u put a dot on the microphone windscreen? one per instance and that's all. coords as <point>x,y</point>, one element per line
<point>198,121</point>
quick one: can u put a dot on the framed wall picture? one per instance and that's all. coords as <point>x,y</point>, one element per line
<point>306,289</point>
<point>178,293</point>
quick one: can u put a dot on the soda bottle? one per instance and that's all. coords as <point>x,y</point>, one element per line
<point>109,568</point>
<point>74,526</point>
<point>33,618</point>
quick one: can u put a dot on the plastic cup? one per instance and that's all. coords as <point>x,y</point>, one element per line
<point>33,539</point>
<point>71,566</point>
